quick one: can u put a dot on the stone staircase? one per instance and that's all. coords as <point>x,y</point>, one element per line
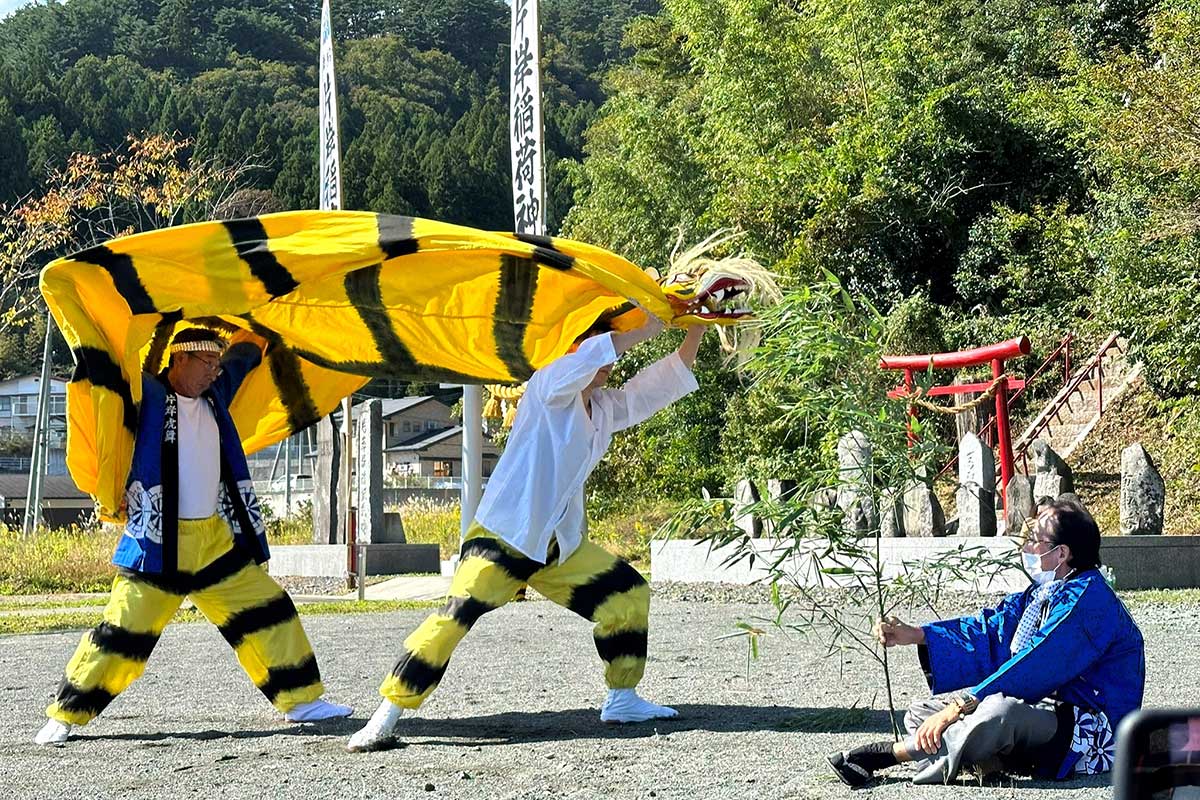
<point>1069,417</point>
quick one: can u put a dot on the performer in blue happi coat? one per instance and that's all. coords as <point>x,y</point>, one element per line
<point>1036,685</point>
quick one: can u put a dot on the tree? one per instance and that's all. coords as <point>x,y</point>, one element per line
<point>151,182</point>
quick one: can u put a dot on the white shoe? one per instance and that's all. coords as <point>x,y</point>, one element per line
<point>53,732</point>
<point>317,710</point>
<point>624,705</point>
<point>380,732</point>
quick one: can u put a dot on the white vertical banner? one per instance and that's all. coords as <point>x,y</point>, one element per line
<point>331,155</point>
<point>331,198</point>
<point>525,120</point>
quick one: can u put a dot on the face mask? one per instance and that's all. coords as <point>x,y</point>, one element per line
<point>1033,565</point>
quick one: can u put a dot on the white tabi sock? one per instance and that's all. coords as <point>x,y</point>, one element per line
<point>316,711</point>
<point>624,705</point>
<point>53,732</point>
<point>379,732</point>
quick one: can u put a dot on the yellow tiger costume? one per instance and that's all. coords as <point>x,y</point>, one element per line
<point>343,296</point>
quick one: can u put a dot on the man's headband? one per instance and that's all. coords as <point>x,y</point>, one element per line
<point>208,346</point>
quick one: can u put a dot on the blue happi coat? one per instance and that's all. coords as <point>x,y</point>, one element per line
<point>1088,653</point>
<point>141,547</point>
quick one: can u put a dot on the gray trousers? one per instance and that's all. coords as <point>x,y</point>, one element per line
<point>1001,731</point>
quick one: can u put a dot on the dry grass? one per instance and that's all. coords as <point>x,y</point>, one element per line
<point>72,559</point>
<point>431,522</point>
<point>1171,435</point>
<point>626,533</point>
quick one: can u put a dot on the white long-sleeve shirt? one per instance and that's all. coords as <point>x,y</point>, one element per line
<point>535,492</point>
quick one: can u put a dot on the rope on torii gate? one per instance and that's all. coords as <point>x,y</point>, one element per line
<point>917,398</point>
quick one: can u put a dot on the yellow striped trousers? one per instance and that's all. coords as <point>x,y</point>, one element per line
<point>592,582</point>
<point>253,613</point>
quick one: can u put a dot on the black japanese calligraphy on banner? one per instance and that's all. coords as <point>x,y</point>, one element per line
<point>525,120</point>
<point>331,170</point>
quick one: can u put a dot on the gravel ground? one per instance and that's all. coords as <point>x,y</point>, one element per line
<point>516,716</point>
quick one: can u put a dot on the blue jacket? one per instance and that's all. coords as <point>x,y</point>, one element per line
<point>1088,653</point>
<point>141,548</point>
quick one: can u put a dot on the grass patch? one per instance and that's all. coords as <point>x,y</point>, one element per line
<point>1170,432</point>
<point>1135,598</point>
<point>627,532</point>
<point>11,624</point>
<point>14,602</point>
<point>74,559</point>
<point>428,521</point>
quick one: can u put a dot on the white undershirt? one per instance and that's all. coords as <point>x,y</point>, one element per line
<point>199,459</point>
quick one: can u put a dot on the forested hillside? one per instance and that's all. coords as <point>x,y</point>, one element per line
<point>422,89</point>
<point>975,169</point>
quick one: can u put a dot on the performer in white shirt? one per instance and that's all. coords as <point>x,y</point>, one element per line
<point>530,527</point>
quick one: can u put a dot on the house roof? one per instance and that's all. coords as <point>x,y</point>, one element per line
<point>425,440</point>
<point>396,405</point>
<point>54,487</point>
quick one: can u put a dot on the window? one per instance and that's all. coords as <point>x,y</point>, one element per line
<point>407,426</point>
<point>22,404</point>
<point>430,424</point>
<point>6,405</point>
<point>443,469</point>
<point>58,404</point>
<point>393,429</point>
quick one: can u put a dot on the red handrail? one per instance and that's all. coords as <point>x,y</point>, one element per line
<point>1043,419</point>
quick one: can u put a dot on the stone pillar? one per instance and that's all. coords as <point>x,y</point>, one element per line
<point>1143,493</point>
<point>891,516</point>
<point>368,449</point>
<point>923,515</point>
<point>745,494</point>
<point>1052,476</point>
<point>854,494</point>
<point>976,497</point>
<point>779,491</point>
<point>1020,504</point>
<point>327,480</point>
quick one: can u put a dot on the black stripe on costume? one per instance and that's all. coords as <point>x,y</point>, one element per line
<point>88,701</point>
<point>627,643</point>
<point>545,253</point>
<point>288,378</point>
<point>382,369</point>
<point>518,566</point>
<point>250,240</point>
<point>282,679</point>
<point>364,291</point>
<point>514,305</point>
<point>97,367</point>
<point>116,640</point>
<point>587,598</point>
<point>466,611</point>
<point>124,276</point>
<point>162,338</point>
<point>256,618</point>
<point>396,236</point>
<point>228,564</point>
<point>417,673</point>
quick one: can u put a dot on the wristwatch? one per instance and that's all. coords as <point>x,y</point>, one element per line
<point>966,702</point>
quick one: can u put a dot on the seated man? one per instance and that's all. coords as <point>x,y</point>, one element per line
<point>1036,685</point>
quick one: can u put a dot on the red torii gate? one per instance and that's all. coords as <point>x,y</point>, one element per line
<point>994,353</point>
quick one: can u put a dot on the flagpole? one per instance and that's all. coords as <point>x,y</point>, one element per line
<point>41,432</point>
<point>331,198</point>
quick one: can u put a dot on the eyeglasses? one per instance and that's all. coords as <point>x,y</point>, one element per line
<point>213,365</point>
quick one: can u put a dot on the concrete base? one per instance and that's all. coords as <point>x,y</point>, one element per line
<point>1153,562</point>
<point>1137,562</point>
<point>329,560</point>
